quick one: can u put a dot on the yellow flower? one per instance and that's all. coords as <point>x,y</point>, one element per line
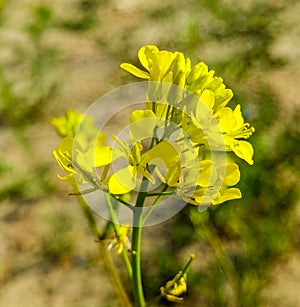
<point>157,63</point>
<point>82,149</point>
<point>214,184</point>
<point>67,124</point>
<point>126,179</point>
<point>181,68</point>
<point>186,103</point>
<point>222,130</point>
<point>232,125</point>
<point>79,162</point>
<point>231,178</point>
<point>209,88</point>
<point>63,156</point>
<point>122,241</point>
<point>163,155</point>
<point>175,288</point>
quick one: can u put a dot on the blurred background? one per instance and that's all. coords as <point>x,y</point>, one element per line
<point>63,54</point>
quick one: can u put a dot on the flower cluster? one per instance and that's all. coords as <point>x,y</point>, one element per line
<point>173,141</point>
<point>80,155</point>
<point>196,100</point>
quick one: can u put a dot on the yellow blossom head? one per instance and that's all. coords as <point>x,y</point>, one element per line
<point>182,143</point>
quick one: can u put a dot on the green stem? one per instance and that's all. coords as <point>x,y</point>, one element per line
<point>167,116</point>
<point>136,247</point>
<point>119,199</point>
<point>156,201</point>
<point>154,139</point>
<point>160,193</point>
<point>105,254</point>
<point>136,263</point>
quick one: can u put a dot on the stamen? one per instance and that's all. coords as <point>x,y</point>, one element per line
<point>244,132</point>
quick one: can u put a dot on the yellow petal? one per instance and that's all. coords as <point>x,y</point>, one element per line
<point>168,78</point>
<point>164,61</point>
<point>227,194</point>
<point>226,119</point>
<point>174,289</point>
<point>123,181</point>
<point>180,67</point>
<point>66,145</point>
<point>142,123</point>
<point>197,71</point>
<point>208,98</point>
<point>238,117</point>
<point>194,131</point>
<point>172,176</point>
<point>140,114</point>
<point>63,153</point>
<point>208,175</point>
<point>94,157</point>
<point>135,71</point>
<point>67,124</point>
<point>101,138</point>
<point>102,156</point>
<point>232,174</point>
<point>165,151</point>
<point>203,196</point>
<point>146,53</point>
<point>222,98</point>
<point>68,178</point>
<point>243,150</point>
<point>170,297</point>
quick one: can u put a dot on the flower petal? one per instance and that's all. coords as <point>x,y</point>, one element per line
<point>135,71</point>
<point>222,98</point>
<point>123,180</point>
<point>146,53</point>
<point>164,151</point>
<point>67,124</point>
<point>232,174</point>
<point>227,194</point>
<point>63,153</point>
<point>142,123</point>
<point>226,119</point>
<point>102,156</point>
<point>238,117</point>
<point>208,175</point>
<point>243,150</point>
<point>208,98</point>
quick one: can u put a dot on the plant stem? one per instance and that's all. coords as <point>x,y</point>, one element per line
<point>159,195</point>
<point>136,264</point>
<point>136,247</point>
<point>104,253</point>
